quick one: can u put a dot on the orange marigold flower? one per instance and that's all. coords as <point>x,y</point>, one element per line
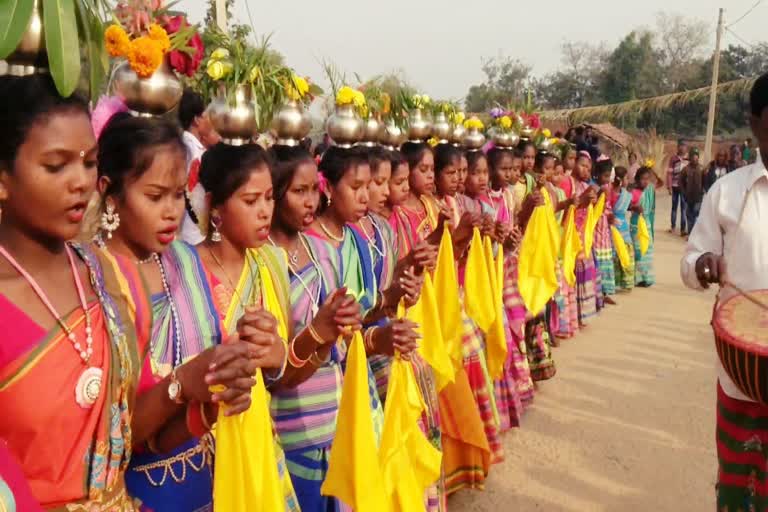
<point>145,56</point>
<point>159,35</point>
<point>117,41</point>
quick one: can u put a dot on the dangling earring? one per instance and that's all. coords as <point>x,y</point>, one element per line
<point>328,196</point>
<point>110,219</point>
<point>215,224</point>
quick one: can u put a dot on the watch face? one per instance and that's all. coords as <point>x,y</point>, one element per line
<point>174,390</point>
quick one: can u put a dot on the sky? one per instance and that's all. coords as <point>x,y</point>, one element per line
<point>439,46</point>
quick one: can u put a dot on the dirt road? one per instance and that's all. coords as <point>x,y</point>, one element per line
<point>628,422</point>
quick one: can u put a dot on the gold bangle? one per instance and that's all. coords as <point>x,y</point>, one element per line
<point>315,335</point>
<point>368,339</point>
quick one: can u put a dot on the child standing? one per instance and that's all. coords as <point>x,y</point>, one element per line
<point>643,205</point>
<point>621,199</point>
<point>602,241</point>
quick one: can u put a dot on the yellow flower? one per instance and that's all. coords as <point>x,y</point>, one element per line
<point>473,124</point>
<point>460,117</point>
<point>650,163</point>
<point>145,56</point>
<point>254,74</point>
<point>505,122</point>
<point>297,88</point>
<point>217,69</point>
<point>159,35</point>
<point>359,99</point>
<point>117,41</point>
<point>220,54</point>
<point>554,140</point>
<point>363,111</point>
<point>426,99</point>
<point>386,103</point>
<point>345,96</point>
<point>433,141</point>
<point>546,132</point>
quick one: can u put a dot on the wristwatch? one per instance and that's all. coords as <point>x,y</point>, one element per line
<point>174,389</point>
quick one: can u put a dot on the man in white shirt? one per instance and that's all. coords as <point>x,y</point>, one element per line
<point>198,136</point>
<point>729,244</point>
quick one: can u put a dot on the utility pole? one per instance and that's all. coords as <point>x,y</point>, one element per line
<point>221,15</point>
<point>713,90</point>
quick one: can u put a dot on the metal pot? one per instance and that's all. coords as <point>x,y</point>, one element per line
<point>419,126</point>
<point>545,145</point>
<point>527,133</point>
<point>30,55</point>
<point>505,139</point>
<point>391,136</point>
<point>345,126</point>
<point>441,128</point>
<point>457,134</point>
<point>234,118</point>
<point>152,96</point>
<point>291,123</point>
<point>473,140</point>
<point>371,128</point>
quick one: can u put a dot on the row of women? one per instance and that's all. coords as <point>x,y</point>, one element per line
<point>121,354</point>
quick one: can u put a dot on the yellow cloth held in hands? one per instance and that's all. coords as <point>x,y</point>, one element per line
<point>621,248</point>
<point>245,470</point>
<point>496,337</point>
<point>354,475</point>
<point>571,247</point>
<point>537,279</point>
<point>477,294</point>
<point>594,212</point>
<point>409,462</point>
<point>447,290</point>
<point>425,313</point>
<point>643,236</point>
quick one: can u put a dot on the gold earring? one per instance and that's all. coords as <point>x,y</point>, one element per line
<point>110,219</point>
<point>215,224</point>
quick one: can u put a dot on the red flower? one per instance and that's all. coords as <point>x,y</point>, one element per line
<point>185,61</point>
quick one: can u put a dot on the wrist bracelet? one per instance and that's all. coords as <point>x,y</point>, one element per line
<point>315,335</point>
<point>293,359</point>
<point>368,339</point>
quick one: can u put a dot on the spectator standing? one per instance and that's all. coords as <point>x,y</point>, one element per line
<point>676,165</point>
<point>692,187</point>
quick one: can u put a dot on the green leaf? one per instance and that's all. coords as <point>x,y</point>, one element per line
<point>14,20</point>
<point>61,41</point>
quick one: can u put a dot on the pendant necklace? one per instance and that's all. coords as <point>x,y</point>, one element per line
<point>293,256</point>
<point>88,385</point>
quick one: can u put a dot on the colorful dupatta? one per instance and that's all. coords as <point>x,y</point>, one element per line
<point>148,479</point>
<point>254,471</point>
<point>75,458</point>
<point>644,274</point>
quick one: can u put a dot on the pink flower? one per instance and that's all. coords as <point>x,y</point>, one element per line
<point>185,61</point>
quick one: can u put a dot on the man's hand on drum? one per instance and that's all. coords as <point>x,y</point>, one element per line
<point>710,269</point>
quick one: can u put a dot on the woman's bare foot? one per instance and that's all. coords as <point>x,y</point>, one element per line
<point>609,300</point>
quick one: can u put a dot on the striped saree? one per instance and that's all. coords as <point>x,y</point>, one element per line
<point>149,480</point>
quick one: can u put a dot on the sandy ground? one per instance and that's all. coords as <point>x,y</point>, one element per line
<point>627,424</point>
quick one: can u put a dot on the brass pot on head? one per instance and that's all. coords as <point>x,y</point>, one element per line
<point>291,123</point>
<point>147,97</point>
<point>505,139</point>
<point>390,135</point>
<point>234,118</point>
<point>457,134</point>
<point>371,129</point>
<point>441,128</point>
<point>419,126</point>
<point>30,55</point>
<point>527,133</point>
<point>345,126</point>
<point>545,145</point>
<point>473,140</point>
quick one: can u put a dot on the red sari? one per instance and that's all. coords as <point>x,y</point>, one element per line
<point>75,458</point>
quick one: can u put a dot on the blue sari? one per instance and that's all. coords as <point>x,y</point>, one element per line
<point>625,277</point>
<point>181,479</point>
<point>644,275</point>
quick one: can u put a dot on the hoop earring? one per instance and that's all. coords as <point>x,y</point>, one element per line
<point>215,224</point>
<point>110,219</point>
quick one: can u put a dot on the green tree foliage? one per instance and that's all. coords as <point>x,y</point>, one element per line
<point>506,83</point>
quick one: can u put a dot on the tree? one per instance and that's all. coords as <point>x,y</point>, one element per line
<point>633,70</point>
<point>574,85</point>
<point>506,82</point>
<point>680,44</point>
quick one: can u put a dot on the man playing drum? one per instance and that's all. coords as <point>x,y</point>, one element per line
<point>729,246</point>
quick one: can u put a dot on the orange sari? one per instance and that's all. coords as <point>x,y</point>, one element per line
<point>75,458</point>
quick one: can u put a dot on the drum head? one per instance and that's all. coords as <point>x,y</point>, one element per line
<point>743,322</point>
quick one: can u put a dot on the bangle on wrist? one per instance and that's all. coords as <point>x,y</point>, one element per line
<point>314,334</point>
<point>293,359</point>
<point>195,421</point>
<point>368,339</point>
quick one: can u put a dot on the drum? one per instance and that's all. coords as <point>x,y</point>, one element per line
<point>741,337</point>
